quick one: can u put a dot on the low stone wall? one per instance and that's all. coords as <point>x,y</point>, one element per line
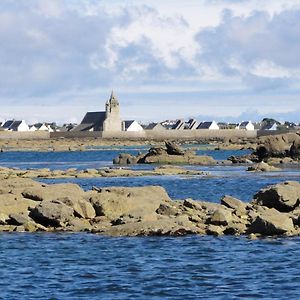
<point>15,135</point>
<point>161,135</point>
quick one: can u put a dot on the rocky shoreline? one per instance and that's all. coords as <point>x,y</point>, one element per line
<point>94,173</point>
<point>27,205</point>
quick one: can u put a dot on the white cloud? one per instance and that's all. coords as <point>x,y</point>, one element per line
<point>74,52</point>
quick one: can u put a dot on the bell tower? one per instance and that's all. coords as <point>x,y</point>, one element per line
<point>112,121</point>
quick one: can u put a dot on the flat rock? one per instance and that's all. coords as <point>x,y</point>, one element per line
<point>114,202</point>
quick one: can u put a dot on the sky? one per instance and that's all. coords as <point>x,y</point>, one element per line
<point>223,60</point>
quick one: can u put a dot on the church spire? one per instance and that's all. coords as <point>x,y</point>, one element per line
<point>113,98</point>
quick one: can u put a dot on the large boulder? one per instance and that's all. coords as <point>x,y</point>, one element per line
<point>276,145</point>
<point>52,213</point>
<point>114,202</point>
<point>284,197</point>
<point>235,204</point>
<point>272,222</point>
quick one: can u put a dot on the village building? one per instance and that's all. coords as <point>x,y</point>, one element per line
<point>155,126</point>
<point>131,125</point>
<point>271,127</point>
<point>7,124</point>
<point>19,126</point>
<point>191,124</point>
<point>246,125</point>
<point>208,125</point>
<point>179,125</point>
<point>108,120</point>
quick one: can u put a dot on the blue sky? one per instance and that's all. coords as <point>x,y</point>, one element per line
<point>211,59</point>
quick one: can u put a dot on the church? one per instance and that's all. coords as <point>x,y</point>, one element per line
<point>108,120</point>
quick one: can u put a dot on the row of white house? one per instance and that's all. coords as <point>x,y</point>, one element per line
<point>134,126</point>
<point>22,126</point>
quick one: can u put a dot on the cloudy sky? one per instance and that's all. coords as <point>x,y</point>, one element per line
<point>212,59</point>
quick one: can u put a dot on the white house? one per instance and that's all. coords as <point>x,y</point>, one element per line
<point>32,128</point>
<point>246,125</point>
<point>208,125</point>
<point>19,126</point>
<point>131,125</point>
<point>272,127</point>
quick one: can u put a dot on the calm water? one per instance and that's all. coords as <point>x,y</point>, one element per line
<point>86,266</point>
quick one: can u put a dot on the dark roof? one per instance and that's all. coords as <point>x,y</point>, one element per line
<point>245,123</point>
<point>179,125</point>
<point>14,126</point>
<point>7,124</point>
<point>204,125</point>
<point>91,120</point>
<point>127,123</point>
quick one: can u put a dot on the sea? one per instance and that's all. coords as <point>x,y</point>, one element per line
<point>89,266</point>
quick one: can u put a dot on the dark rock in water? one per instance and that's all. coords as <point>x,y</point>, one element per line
<point>125,159</point>
<point>284,197</point>
<point>174,149</point>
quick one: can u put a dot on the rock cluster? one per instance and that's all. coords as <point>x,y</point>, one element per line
<point>26,205</point>
<point>281,145</point>
<point>171,154</point>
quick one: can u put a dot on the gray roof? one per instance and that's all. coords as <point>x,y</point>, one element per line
<point>245,123</point>
<point>179,125</point>
<point>127,123</point>
<point>14,126</point>
<point>204,125</point>
<point>92,120</point>
<point>7,124</point>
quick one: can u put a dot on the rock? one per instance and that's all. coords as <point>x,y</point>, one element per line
<point>18,219</point>
<point>235,204</point>
<point>165,226</point>
<point>125,159</point>
<point>272,222</point>
<point>214,230</point>
<point>263,167</point>
<point>53,192</point>
<point>78,225</point>
<point>3,218</point>
<point>114,202</point>
<point>52,213</point>
<point>10,203</point>
<point>174,149</point>
<point>221,217</point>
<point>167,210</point>
<point>284,196</point>
<point>82,208</point>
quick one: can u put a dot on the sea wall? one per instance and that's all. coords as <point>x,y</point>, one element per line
<point>28,135</point>
<point>161,135</point>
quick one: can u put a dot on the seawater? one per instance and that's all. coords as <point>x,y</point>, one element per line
<point>87,266</point>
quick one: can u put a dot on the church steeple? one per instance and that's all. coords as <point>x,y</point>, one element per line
<point>113,120</point>
<point>113,98</point>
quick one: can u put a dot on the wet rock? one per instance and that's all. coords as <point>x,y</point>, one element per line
<point>284,196</point>
<point>125,159</point>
